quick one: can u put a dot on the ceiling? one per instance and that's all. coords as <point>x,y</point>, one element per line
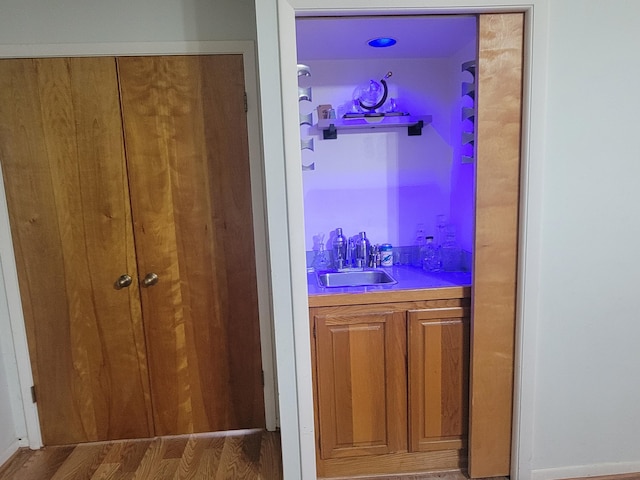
<point>338,38</point>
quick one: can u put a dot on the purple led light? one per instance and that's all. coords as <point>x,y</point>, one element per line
<point>382,42</point>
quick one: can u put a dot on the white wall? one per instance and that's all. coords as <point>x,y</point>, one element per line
<point>383,182</point>
<point>9,386</point>
<point>587,396</point>
<point>92,21</point>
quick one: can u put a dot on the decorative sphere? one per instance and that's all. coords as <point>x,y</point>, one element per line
<point>369,93</point>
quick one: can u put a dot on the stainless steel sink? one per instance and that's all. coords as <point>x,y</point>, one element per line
<point>355,278</point>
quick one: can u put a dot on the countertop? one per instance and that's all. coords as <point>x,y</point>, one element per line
<point>413,284</point>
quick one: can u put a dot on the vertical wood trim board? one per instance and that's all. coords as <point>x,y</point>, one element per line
<point>499,110</point>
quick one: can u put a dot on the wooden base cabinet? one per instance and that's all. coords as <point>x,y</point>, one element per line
<point>390,385</point>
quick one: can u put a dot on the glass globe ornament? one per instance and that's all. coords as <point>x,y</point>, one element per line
<point>368,94</point>
<point>371,95</point>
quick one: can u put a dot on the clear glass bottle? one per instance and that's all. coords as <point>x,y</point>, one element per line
<point>431,256</point>
<point>321,259</point>
<point>450,252</point>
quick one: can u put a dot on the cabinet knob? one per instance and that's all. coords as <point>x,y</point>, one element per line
<point>149,280</point>
<point>123,281</point>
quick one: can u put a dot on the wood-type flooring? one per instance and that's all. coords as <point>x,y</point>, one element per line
<point>249,454</point>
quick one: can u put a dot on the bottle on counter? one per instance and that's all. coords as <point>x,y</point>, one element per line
<point>339,250</point>
<point>363,248</point>
<point>430,256</point>
<point>374,256</point>
<point>321,259</point>
<point>450,252</point>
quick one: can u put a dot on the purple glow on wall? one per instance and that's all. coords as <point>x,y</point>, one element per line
<point>385,182</point>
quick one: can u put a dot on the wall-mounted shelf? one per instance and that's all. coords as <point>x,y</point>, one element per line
<point>414,124</point>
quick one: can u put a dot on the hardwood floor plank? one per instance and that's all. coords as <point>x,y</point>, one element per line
<point>83,461</point>
<point>231,464</point>
<point>238,455</point>
<point>167,469</point>
<point>150,463</point>
<point>210,460</point>
<point>15,463</point>
<point>42,464</point>
<point>132,455</point>
<point>175,447</point>
<point>190,460</point>
<point>270,457</point>
<point>106,471</point>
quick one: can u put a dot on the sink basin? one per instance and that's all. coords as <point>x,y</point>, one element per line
<point>355,278</point>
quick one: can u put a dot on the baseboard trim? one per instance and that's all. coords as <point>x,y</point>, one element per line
<point>600,471</point>
<point>8,452</point>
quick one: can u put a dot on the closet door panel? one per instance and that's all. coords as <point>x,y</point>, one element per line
<point>62,155</point>
<point>186,141</point>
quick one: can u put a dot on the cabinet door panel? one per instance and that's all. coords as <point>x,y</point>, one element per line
<point>438,378</point>
<point>187,154</point>
<point>361,383</point>
<point>64,170</point>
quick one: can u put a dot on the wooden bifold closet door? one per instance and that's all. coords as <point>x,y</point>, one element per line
<point>94,150</point>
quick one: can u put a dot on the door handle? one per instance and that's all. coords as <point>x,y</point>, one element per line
<point>123,281</point>
<point>149,280</point>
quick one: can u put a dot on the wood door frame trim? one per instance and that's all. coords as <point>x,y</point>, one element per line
<point>16,326</point>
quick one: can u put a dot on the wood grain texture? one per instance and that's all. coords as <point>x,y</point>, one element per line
<point>187,154</point>
<point>335,319</point>
<point>251,454</point>
<point>499,111</point>
<point>438,378</point>
<point>62,155</point>
<point>394,463</point>
<point>361,383</point>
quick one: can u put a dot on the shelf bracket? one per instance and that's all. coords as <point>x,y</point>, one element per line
<point>415,130</point>
<point>330,133</point>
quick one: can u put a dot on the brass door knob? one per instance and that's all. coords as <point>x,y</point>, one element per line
<point>123,281</point>
<point>149,280</point>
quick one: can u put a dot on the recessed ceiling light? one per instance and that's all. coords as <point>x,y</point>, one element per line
<point>381,42</point>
